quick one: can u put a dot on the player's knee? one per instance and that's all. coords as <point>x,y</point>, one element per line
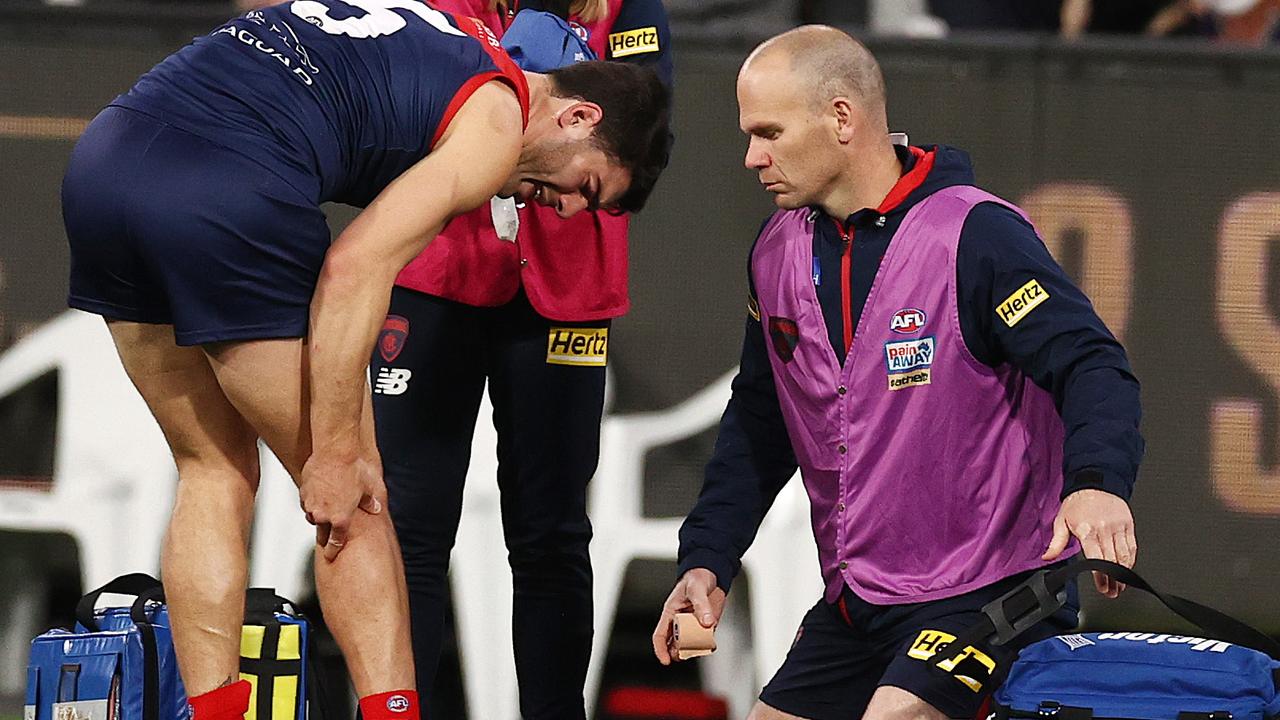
<point>229,446</point>
<point>364,527</point>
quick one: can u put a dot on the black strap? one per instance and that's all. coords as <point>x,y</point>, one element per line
<point>1043,594</point>
<point>262,604</point>
<point>267,682</point>
<point>131,584</point>
<point>1058,711</point>
<point>150,651</point>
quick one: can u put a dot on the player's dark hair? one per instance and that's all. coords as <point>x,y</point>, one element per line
<point>635,128</point>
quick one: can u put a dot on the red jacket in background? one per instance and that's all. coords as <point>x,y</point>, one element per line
<point>573,270</point>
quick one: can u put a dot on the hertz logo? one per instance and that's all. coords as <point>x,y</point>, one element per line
<point>633,42</point>
<point>1021,303</point>
<point>972,667</point>
<point>578,346</point>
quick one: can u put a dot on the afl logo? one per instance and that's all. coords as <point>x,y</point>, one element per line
<point>398,703</point>
<point>582,33</point>
<point>907,320</point>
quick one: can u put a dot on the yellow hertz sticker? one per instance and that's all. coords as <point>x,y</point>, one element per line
<point>633,42</point>
<point>1021,303</point>
<point>971,666</point>
<point>578,346</point>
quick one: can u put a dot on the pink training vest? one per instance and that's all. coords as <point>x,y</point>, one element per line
<point>930,474</point>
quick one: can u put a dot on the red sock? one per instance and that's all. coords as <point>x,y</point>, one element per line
<point>394,705</point>
<point>229,702</point>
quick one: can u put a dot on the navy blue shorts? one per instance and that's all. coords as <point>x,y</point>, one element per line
<point>844,651</point>
<point>167,227</point>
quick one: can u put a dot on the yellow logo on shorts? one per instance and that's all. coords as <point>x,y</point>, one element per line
<point>633,42</point>
<point>971,666</point>
<point>1021,303</point>
<point>578,346</point>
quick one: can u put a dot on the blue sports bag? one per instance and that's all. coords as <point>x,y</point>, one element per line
<point>1232,673</point>
<point>116,664</point>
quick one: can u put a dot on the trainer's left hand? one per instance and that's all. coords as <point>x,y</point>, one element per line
<point>1104,525</point>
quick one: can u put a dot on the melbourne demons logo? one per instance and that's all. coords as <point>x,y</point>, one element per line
<point>391,341</point>
<point>785,335</point>
<point>907,320</point>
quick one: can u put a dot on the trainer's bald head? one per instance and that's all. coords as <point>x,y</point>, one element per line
<point>825,63</point>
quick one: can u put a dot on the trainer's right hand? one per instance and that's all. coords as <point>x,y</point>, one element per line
<point>696,592</point>
<point>331,490</point>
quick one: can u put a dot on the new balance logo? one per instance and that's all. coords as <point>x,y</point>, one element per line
<point>392,381</point>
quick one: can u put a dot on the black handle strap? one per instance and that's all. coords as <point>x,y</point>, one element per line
<point>132,584</point>
<point>262,604</point>
<point>150,672</point>
<point>150,650</point>
<point>138,610</point>
<point>1058,711</point>
<point>1044,593</point>
<point>1218,624</point>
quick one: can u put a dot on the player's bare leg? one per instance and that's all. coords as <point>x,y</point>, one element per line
<point>765,712</point>
<point>891,703</point>
<point>204,559</point>
<point>362,591</point>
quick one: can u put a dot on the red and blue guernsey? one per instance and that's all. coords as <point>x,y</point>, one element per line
<point>337,97</point>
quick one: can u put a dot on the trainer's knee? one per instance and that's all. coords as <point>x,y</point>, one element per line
<point>764,712</point>
<point>891,703</point>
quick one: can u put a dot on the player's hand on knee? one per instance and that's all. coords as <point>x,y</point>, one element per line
<point>696,592</point>
<point>331,491</point>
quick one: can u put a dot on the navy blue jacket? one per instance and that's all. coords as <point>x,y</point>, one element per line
<point>1062,346</point>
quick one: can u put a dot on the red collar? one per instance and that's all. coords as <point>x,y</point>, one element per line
<point>909,181</point>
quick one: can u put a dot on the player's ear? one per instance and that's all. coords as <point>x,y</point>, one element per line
<point>580,118</point>
<point>845,119</point>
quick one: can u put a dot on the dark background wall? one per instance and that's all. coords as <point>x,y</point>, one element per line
<point>1153,174</point>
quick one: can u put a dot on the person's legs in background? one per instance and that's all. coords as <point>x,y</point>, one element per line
<point>428,379</point>
<point>548,413</point>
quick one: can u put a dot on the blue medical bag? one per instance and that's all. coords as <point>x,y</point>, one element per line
<point>1231,673</point>
<point>118,663</point>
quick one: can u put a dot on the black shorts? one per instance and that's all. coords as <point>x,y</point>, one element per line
<point>844,651</point>
<point>167,227</point>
